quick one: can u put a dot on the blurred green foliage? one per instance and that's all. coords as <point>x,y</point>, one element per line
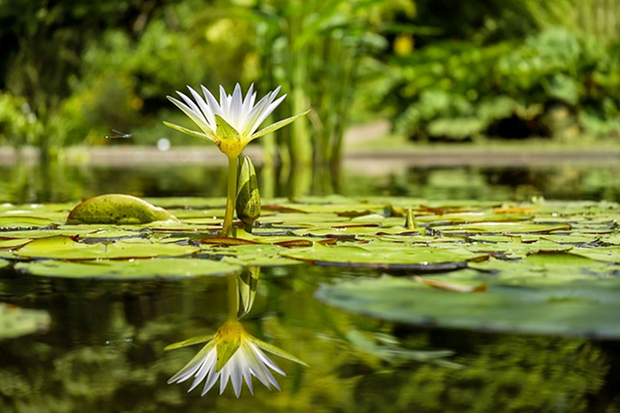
<point>553,74</point>
<point>440,69</point>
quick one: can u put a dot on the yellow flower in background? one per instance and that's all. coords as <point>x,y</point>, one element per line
<point>231,354</point>
<point>232,122</point>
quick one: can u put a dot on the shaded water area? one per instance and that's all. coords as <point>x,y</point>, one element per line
<point>57,182</point>
<point>104,349</point>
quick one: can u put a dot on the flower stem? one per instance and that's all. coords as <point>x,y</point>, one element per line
<point>233,297</point>
<point>231,195</point>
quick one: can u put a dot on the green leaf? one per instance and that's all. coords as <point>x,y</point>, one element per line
<point>278,125</point>
<point>190,132</point>
<point>13,243</point>
<point>61,247</point>
<point>117,209</point>
<point>277,351</point>
<point>224,130</point>
<point>579,308</point>
<point>387,255</point>
<point>169,268</point>
<point>189,342</point>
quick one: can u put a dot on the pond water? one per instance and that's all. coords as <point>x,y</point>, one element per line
<point>104,350</point>
<point>26,183</point>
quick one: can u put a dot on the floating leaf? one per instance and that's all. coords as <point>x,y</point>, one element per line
<point>256,255</point>
<point>24,222</point>
<point>117,209</point>
<point>383,255</point>
<point>607,254</point>
<point>3,263</point>
<point>61,247</point>
<point>578,309</point>
<point>13,243</point>
<point>502,228</point>
<point>131,269</point>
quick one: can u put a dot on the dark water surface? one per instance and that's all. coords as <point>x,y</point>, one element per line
<point>104,349</point>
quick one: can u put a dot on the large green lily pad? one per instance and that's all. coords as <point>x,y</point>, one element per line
<point>171,268</point>
<point>576,308</point>
<point>388,256</point>
<point>66,248</point>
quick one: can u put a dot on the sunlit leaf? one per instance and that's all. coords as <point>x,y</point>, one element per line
<point>61,247</point>
<point>394,256</point>
<point>578,309</point>
<point>117,209</point>
<point>172,268</point>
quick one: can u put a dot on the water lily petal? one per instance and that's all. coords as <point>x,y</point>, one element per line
<point>204,108</point>
<point>268,110</point>
<point>266,360</point>
<point>207,366</point>
<point>224,101</point>
<point>250,97</point>
<point>235,115</point>
<point>213,104</point>
<point>239,113</point>
<point>195,116</point>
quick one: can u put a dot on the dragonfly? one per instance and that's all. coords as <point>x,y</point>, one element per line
<point>116,134</point>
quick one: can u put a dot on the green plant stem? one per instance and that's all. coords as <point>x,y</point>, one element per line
<point>231,195</point>
<point>233,296</point>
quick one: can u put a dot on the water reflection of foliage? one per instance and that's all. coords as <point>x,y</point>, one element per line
<point>73,369</point>
<point>508,373</point>
<point>60,182</point>
<point>497,183</point>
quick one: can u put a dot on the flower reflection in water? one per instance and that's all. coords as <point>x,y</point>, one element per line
<point>232,354</point>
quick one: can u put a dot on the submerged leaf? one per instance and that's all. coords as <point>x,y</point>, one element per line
<point>17,322</point>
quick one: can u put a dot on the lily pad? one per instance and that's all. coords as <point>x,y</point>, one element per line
<point>171,268</point>
<point>502,228</point>
<point>578,308</point>
<point>3,263</point>
<point>13,243</point>
<point>16,322</point>
<point>24,222</point>
<point>607,254</point>
<point>252,255</point>
<point>61,247</point>
<point>387,256</point>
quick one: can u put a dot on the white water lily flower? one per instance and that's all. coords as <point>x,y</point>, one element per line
<point>231,354</point>
<point>231,123</point>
